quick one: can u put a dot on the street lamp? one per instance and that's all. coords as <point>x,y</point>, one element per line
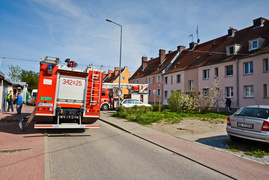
<point>109,20</point>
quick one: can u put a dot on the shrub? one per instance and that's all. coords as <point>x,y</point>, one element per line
<point>181,102</point>
<point>155,107</point>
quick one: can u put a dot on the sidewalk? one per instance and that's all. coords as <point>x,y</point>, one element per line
<point>233,166</point>
<point>21,152</point>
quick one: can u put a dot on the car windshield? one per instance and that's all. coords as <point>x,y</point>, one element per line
<point>253,112</point>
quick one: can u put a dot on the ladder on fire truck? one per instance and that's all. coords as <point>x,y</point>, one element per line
<point>96,87</point>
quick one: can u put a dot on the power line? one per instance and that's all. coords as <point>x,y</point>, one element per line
<point>32,60</point>
<point>80,34</point>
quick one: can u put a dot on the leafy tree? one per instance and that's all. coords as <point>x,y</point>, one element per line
<point>31,78</point>
<point>211,97</point>
<point>15,72</point>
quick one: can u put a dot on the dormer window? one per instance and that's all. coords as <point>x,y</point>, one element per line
<point>232,49</point>
<point>255,44</point>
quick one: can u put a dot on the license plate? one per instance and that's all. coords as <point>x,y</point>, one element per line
<point>243,125</point>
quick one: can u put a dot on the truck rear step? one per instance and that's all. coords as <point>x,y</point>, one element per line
<point>66,126</point>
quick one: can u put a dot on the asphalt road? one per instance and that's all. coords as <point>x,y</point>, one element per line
<point>109,153</point>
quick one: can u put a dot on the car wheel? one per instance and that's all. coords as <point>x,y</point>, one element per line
<point>105,107</point>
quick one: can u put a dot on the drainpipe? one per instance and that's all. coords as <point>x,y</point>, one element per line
<point>237,84</point>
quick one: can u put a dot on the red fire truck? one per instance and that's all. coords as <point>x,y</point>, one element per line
<point>109,99</point>
<point>67,97</point>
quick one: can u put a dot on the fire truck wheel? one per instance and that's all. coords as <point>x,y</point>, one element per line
<point>105,107</point>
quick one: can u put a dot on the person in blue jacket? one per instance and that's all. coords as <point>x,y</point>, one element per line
<point>19,103</point>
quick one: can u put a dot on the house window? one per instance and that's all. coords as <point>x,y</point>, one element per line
<point>165,94</point>
<point>249,91</point>
<point>254,45</point>
<point>166,80</point>
<point>149,80</point>
<point>229,92</point>
<point>158,79</point>
<point>123,78</point>
<point>149,92</point>
<point>178,78</point>
<point>231,50</point>
<point>248,68</point>
<point>229,70</point>
<point>158,92</point>
<point>206,74</point>
<point>265,93</point>
<point>153,79</point>
<point>191,85</point>
<point>171,79</point>
<point>136,81</point>
<point>216,72</point>
<point>206,92</point>
<point>266,65</point>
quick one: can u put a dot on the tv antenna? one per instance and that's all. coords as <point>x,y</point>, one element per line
<point>198,40</point>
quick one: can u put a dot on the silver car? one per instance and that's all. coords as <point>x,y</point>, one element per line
<point>250,122</point>
<point>133,102</point>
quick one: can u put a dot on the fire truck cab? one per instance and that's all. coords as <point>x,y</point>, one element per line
<point>109,98</point>
<point>67,97</point>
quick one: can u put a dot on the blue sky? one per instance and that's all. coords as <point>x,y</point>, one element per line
<point>77,29</point>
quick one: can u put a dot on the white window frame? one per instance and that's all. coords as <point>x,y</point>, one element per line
<point>179,78</point>
<point>149,80</point>
<point>158,78</point>
<point>158,92</point>
<point>191,85</point>
<point>165,80</point>
<point>249,91</point>
<point>248,68</point>
<point>226,71</point>
<point>252,44</point>
<point>229,92</point>
<point>206,74</point>
<point>123,78</point>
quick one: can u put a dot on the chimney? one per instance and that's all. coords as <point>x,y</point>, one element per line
<point>116,71</point>
<point>109,73</point>
<point>161,56</point>
<point>259,22</point>
<point>180,48</point>
<point>192,45</point>
<point>231,32</point>
<point>144,61</point>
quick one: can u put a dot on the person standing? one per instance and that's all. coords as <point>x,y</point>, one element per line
<point>227,104</point>
<point>19,103</point>
<point>10,101</point>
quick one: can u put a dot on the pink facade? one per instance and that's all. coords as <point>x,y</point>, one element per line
<point>238,60</point>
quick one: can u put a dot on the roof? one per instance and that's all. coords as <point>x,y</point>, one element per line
<point>153,66</point>
<point>214,51</point>
<point>113,77</point>
<point>210,52</point>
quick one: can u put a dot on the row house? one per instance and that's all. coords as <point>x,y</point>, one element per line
<point>239,60</point>
<point>150,72</point>
<point>113,77</point>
